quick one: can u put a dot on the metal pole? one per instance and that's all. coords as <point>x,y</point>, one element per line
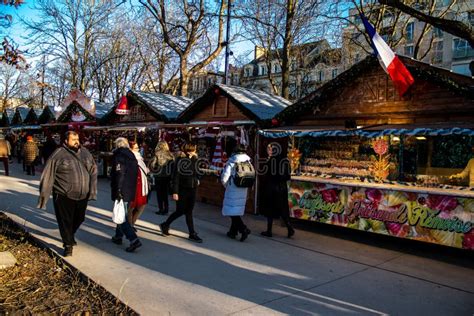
<point>42,81</point>
<point>227,46</point>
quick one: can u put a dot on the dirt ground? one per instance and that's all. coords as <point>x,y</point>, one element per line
<point>42,283</point>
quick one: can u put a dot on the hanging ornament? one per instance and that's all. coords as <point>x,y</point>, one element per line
<point>122,107</point>
<point>217,91</point>
<point>274,122</point>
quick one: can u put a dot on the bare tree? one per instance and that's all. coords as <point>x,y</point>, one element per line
<point>190,28</point>
<point>454,27</point>
<point>68,30</point>
<point>277,27</point>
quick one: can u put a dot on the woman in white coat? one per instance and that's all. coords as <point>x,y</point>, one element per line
<point>235,197</point>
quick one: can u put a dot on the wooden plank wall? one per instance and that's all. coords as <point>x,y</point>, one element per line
<point>224,109</point>
<point>372,99</point>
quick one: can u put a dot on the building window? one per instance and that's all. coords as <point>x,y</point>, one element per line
<point>437,33</point>
<point>247,72</point>
<point>410,29</point>
<point>409,50</point>
<point>462,49</point>
<point>334,73</point>
<point>321,75</point>
<point>470,17</point>
<point>263,70</point>
<point>437,53</point>
<point>293,66</point>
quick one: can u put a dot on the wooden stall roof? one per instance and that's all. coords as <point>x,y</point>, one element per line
<point>159,106</point>
<point>32,117</point>
<point>102,109</point>
<point>250,104</point>
<point>47,115</point>
<point>365,95</point>
<point>76,102</point>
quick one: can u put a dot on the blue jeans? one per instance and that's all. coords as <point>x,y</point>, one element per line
<point>125,229</point>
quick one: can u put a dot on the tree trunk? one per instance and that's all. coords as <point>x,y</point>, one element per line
<point>286,62</point>
<point>183,77</point>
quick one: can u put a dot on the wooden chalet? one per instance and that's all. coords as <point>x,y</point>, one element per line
<point>147,107</point>
<point>224,116</point>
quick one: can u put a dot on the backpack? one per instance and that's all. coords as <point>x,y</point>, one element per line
<point>244,176</point>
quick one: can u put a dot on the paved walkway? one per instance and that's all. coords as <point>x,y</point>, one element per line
<point>323,270</point>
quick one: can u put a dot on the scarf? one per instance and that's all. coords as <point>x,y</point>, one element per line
<point>144,171</point>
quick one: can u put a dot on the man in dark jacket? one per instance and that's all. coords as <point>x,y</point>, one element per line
<point>71,175</point>
<point>124,185</point>
<point>184,186</point>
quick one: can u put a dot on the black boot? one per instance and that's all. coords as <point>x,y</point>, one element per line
<point>133,246</point>
<point>67,251</point>
<point>165,229</point>
<point>194,237</point>
<point>245,234</point>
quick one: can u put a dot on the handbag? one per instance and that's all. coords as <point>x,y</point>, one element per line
<point>118,214</point>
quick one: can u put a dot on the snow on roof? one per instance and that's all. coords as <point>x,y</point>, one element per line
<point>102,108</point>
<point>263,105</point>
<point>168,105</point>
<point>10,114</point>
<point>38,112</point>
<point>23,110</point>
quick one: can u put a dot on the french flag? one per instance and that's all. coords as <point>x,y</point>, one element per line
<point>401,77</point>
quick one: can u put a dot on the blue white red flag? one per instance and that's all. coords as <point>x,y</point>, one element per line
<point>401,77</point>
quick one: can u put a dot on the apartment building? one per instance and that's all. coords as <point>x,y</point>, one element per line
<point>200,82</point>
<point>311,65</point>
<point>410,37</point>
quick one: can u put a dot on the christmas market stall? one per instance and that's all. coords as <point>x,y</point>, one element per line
<point>365,158</point>
<point>223,117</point>
<point>144,117</point>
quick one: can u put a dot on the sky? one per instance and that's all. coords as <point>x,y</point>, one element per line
<point>17,32</point>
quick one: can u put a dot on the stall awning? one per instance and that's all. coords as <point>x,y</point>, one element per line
<point>369,132</point>
<point>220,123</point>
<point>19,128</point>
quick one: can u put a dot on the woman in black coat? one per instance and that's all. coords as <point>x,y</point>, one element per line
<point>184,187</point>
<point>275,191</point>
<point>124,185</point>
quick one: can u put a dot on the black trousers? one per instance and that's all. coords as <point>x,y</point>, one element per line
<point>30,169</point>
<point>5,164</point>
<point>70,215</point>
<point>286,219</point>
<point>184,206</point>
<point>237,225</point>
<point>162,185</point>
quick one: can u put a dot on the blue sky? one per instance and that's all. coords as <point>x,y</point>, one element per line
<point>17,32</point>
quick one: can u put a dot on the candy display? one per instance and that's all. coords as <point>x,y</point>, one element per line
<point>442,219</point>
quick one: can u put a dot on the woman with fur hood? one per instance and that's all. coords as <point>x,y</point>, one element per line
<point>161,166</point>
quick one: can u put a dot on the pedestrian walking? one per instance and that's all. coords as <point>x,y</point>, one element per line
<point>30,153</point>
<point>161,165</point>
<point>5,151</point>
<point>184,186</point>
<point>49,147</point>
<point>235,197</point>
<point>137,206</point>
<point>123,183</point>
<point>71,175</point>
<point>275,190</point>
